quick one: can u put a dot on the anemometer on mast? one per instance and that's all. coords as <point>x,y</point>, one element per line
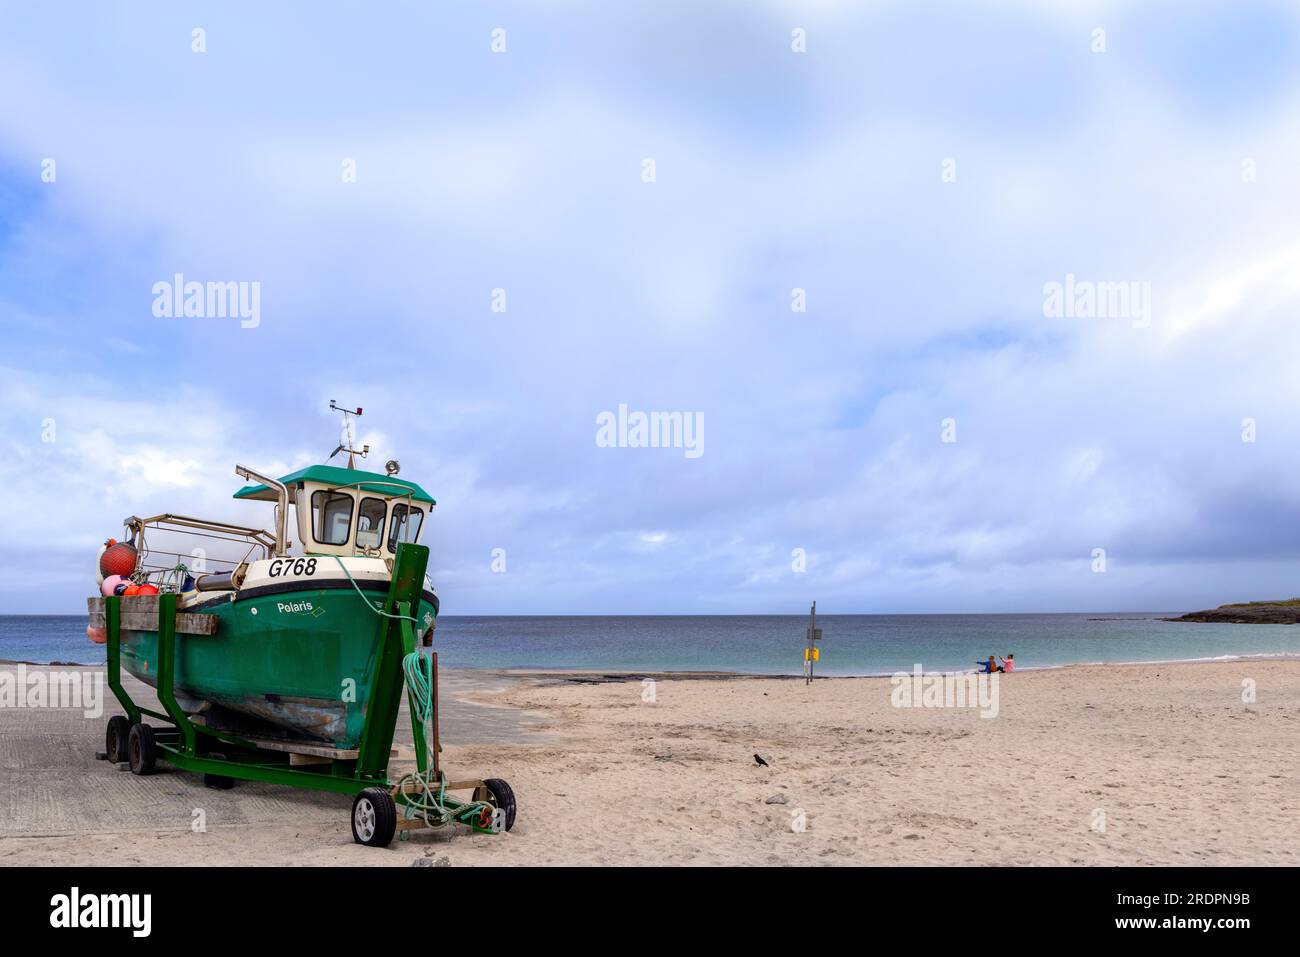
<point>348,438</point>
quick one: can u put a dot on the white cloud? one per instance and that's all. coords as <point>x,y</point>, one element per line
<point>924,298</point>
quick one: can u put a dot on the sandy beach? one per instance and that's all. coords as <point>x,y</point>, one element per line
<point>1088,765</point>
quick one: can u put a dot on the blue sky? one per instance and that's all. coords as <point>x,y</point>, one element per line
<point>775,170</point>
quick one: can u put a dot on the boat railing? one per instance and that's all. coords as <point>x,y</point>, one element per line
<point>256,540</point>
<point>183,558</point>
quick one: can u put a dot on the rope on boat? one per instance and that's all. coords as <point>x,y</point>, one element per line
<point>426,803</point>
<point>173,579</point>
<point>418,670</point>
<point>377,611</point>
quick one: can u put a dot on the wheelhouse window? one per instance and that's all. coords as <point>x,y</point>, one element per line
<point>370,522</point>
<point>405,526</point>
<point>331,517</point>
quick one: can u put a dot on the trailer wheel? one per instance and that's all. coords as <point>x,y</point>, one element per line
<point>218,782</point>
<point>374,817</point>
<point>502,795</point>
<point>119,729</point>
<point>141,751</point>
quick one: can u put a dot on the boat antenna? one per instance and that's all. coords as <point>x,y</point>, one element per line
<point>348,439</point>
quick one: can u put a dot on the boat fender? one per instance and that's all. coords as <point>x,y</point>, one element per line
<point>113,583</point>
<point>98,635</point>
<point>119,558</point>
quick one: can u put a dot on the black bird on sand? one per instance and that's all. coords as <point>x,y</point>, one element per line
<point>761,762</point>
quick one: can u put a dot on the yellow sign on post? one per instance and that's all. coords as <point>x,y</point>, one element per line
<point>811,652</point>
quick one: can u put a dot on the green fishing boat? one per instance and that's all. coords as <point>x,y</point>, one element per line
<point>283,642</point>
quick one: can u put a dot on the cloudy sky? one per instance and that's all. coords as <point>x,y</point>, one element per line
<point>923,172</point>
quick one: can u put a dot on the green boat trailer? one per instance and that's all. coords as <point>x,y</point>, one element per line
<point>379,807</point>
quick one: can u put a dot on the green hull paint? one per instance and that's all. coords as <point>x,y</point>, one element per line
<point>302,661</point>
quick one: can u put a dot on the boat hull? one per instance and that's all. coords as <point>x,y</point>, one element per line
<point>299,662</point>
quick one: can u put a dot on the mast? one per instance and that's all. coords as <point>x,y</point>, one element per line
<point>348,438</point>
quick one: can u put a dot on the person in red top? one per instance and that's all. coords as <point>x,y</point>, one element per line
<point>1008,663</point>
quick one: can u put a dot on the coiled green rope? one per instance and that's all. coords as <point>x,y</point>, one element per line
<point>425,802</point>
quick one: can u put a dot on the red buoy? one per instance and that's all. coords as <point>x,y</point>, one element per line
<point>118,559</point>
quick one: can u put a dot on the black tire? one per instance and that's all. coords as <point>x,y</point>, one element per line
<point>141,751</point>
<point>119,729</point>
<point>502,795</point>
<point>374,817</point>
<point>218,782</point>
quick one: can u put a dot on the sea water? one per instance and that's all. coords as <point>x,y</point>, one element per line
<point>769,644</point>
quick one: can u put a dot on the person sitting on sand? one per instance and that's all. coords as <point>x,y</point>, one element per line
<point>1008,663</point>
<point>991,666</point>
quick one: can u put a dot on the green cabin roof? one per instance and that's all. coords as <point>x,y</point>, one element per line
<point>333,475</point>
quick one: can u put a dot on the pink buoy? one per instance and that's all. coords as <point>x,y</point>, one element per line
<point>98,635</point>
<point>112,583</point>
